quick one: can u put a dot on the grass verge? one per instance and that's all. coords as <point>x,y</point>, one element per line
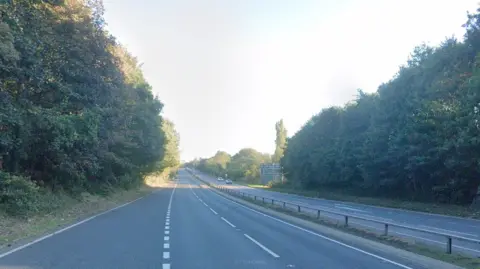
<point>64,209</point>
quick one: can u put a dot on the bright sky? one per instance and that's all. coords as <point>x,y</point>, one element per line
<point>227,70</point>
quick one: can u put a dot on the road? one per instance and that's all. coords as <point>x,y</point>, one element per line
<point>189,226</point>
<point>463,227</point>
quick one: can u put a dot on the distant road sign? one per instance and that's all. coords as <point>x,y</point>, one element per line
<point>270,171</point>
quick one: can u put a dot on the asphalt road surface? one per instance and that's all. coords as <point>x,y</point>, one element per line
<point>468,228</point>
<point>188,226</point>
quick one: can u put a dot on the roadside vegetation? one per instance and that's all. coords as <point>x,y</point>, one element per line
<point>80,130</point>
<point>412,144</point>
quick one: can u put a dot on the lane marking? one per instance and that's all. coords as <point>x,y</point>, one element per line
<point>67,228</point>
<point>348,208</point>
<point>262,246</point>
<point>166,238</point>
<point>166,255</point>
<point>166,266</point>
<point>445,230</point>
<point>167,232</point>
<point>167,227</point>
<point>166,245</point>
<point>229,223</point>
<point>316,234</point>
<point>214,211</point>
<point>205,204</point>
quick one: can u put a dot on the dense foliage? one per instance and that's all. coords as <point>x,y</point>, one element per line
<point>244,165</point>
<point>416,138</point>
<point>75,110</point>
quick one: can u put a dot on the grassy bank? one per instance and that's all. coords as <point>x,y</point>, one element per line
<point>59,209</point>
<point>444,209</point>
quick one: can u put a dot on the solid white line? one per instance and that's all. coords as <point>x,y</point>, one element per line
<point>65,229</point>
<point>166,245</point>
<point>166,238</point>
<point>262,246</point>
<point>318,235</point>
<point>166,266</point>
<point>229,223</point>
<point>445,230</point>
<point>166,255</point>
<point>214,211</point>
<point>167,232</point>
<point>348,208</point>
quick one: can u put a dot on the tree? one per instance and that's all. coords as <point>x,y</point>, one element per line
<point>171,152</point>
<point>280,141</point>
<point>416,138</point>
<point>76,112</point>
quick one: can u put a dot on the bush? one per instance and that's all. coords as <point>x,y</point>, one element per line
<point>18,195</point>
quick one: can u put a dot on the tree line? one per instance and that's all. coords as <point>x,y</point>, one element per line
<point>76,112</point>
<point>245,164</point>
<point>416,138</point>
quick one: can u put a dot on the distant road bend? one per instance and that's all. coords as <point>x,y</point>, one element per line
<point>187,226</point>
<point>468,228</point>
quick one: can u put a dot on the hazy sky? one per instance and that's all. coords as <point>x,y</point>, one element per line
<point>227,70</point>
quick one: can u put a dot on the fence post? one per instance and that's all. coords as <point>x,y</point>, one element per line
<point>299,210</point>
<point>346,221</point>
<point>263,200</point>
<point>385,231</point>
<point>255,198</point>
<point>449,245</point>
<point>273,202</point>
<point>284,205</point>
<point>318,213</point>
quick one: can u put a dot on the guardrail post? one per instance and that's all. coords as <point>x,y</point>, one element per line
<point>255,198</point>
<point>284,205</point>
<point>273,202</point>
<point>449,245</point>
<point>385,231</point>
<point>318,214</point>
<point>299,210</point>
<point>346,221</point>
<point>263,200</point>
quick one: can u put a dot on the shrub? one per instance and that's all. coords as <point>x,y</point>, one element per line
<point>18,195</point>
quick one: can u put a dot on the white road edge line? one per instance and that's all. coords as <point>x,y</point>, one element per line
<point>275,255</point>
<point>229,223</point>
<point>214,212</point>
<point>318,235</point>
<point>445,230</point>
<point>67,228</point>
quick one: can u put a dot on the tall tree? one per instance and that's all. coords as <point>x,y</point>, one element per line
<point>280,141</point>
